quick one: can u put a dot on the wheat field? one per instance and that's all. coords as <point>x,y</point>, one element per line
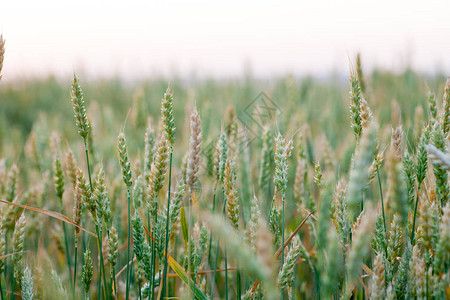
<point>289,188</point>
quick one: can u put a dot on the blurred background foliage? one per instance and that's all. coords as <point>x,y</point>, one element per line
<point>41,106</point>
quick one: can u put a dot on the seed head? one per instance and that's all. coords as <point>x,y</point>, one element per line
<point>79,109</point>
<point>221,156</point>
<point>18,246</point>
<point>70,168</point>
<point>396,142</point>
<point>158,172</point>
<point>195,144</point>
<point>428,223</point>
<point>318,178</point>
<point>252,226</point>
<point>355,105</point>
<point>27,285</point>
<point>340,211</point>
<point>422,156</point>
<point>138,192</point>
<point>59,179</point>
<point>124,161</point>
<point>102,200</point>
<point>432,106</point>
<point>377,287</point>
<point>366,114</point>
<point>149,149</point>
<point>113,242</point>
<point>417,277</point>
<point>286,275</point>
<point>167,116</point>
<point>175,205</point>
<point>231,193</point>
<point>283,150</point>
<point>400,283</point>
<point>443,246</point>
<point>82,197</point>
<point>88,271</point>
<point>441,175</point>
<point>395,241</point>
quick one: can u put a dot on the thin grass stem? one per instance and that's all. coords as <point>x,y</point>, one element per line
<point>164,286</point>
<point>75,271</point>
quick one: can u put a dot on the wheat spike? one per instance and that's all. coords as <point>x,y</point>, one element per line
<point>124,161</point>
<point>377,289</point>
<point>27,285</point>
<point>195,143</point>
<point>79,109</point>
<point>167,116</point>
<point>231,193</point>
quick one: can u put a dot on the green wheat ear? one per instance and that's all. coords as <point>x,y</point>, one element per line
<point>432,107</point>
<point>440,173</point>
<point>18,247</point>
<point>88,271</point>
<point>59,178</point>
<point>283,151</point>
<point>102,199</point>
<point>79,108</point>
<point>252,225</point>
<point>231,193</point>
<point>355,105</point>
<point>221,156</point>
<point>2,242</point>
<point>195,144</point>
<point>167,116</point>
<point>377,284</point>
<point>149,149</point>
<point>443,245</point>
<point>286,274</point>
<point>158,173</point>
<point>123,160</point>
<point>27,285</point>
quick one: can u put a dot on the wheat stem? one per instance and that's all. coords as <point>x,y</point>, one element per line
<point>75,271</point>
<point>167,228</point>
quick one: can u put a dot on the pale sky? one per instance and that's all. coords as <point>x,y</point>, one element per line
<point>137,38</point>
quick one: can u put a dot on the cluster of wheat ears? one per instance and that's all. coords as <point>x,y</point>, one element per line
<point>379,231</point>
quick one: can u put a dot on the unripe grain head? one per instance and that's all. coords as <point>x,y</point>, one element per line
<point>195,144</point>
<point>79,109</point>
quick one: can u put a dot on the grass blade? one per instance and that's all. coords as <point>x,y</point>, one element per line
<point>51,214</point>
